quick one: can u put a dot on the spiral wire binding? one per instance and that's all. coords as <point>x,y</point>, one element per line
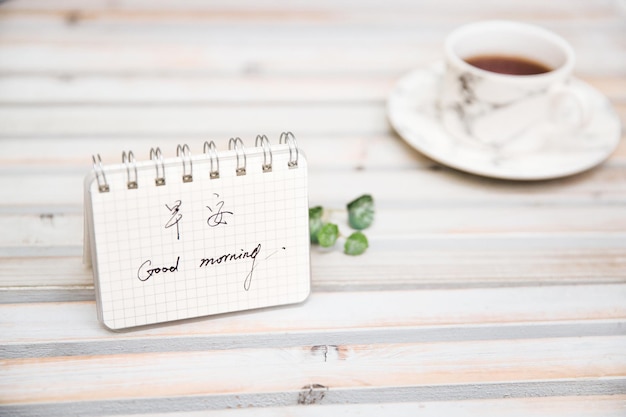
<point>237,145</point>
<point>103,186</point>
<point>184,153</point>
<point>157,157</point>
<point>128,160</point>
<point>210,149</point>
<point>186,157</point>
<point>267,150</point>
<point>290,139</point>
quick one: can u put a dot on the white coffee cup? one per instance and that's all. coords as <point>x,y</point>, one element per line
<point>496,108</point>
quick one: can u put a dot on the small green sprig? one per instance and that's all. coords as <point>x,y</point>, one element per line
<point>326,234</point>
<point>315,222</point>
<point>361,212</point>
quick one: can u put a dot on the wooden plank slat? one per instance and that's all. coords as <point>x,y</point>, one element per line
<point>154,90</point>
<point>196,120</point>
<point>169,58</point>
<point>59,229</point>
<point>324,152</point>
<point>327,152</point>
<point>429,262</point>
<point>420,398</point>
<point>170,121</point>
<point>602,187</point>
<point>148,91</point>
<point>353,56</point>
<point>347,369</point>
<point>573,7</point>
<point>50,230</point>
<point>402,315</point>
<point>398,13</point>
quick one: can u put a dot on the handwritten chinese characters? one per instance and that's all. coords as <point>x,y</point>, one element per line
<point>218,217</point>
<point>175,217</point>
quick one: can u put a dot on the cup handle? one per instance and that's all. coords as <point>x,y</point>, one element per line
<point>569,108</point>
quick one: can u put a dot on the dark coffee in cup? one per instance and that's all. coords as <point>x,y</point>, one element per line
<point>511,65</point>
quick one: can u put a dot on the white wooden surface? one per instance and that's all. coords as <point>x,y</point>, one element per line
<point>477,296</point>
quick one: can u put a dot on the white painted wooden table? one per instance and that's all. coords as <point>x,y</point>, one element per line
<point>477,296</point>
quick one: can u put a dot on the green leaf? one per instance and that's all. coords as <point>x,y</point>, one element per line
<point>328,235</point>
<point>361,212</point>
<point>356,244</point>
<point>315,222</point>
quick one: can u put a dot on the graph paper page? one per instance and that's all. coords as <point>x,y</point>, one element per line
<point>209,246</point>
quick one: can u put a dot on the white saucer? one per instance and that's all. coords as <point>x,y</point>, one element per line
<point>414,114</point>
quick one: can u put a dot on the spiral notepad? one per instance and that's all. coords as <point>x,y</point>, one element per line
<point>197,235</point>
